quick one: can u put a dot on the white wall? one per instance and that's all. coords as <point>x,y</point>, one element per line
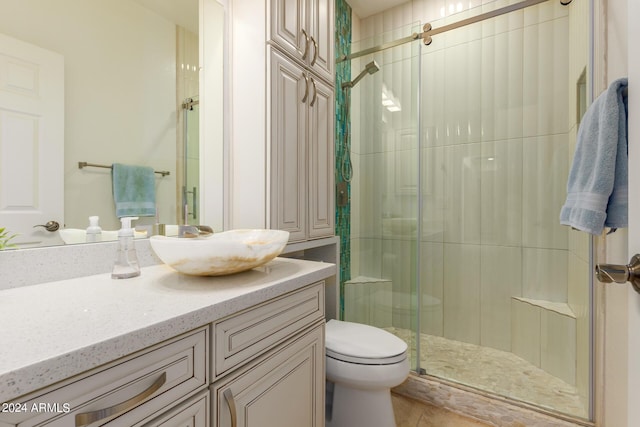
<point>120,94</point>
<point>619,404</point>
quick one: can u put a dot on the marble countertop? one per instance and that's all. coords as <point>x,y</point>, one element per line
<point>54,330</point>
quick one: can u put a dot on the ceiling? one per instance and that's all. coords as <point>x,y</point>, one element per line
<point>365,8</point>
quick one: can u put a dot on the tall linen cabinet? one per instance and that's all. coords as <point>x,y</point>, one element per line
<point>281,155</point>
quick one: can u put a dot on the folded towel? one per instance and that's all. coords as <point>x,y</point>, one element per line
<point>134,190</point>
<point>597,185</point>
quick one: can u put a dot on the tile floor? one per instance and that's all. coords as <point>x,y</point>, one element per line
<point>412,413</point>
<point>495,371</point>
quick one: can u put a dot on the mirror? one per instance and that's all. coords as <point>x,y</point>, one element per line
<point>128,67</point>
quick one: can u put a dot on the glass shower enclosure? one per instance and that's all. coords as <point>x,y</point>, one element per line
<point>460,153</point>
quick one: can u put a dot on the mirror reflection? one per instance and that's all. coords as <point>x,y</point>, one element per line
<point>101,82</point>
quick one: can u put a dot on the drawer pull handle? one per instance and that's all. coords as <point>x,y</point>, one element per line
<point>315,92</point>
<point>306,88</point>
<point>87,418</point>
<point>306,44</point>
<point>228,396</point>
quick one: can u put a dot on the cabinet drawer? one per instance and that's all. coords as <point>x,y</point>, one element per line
<point>241,337</point>
<point>122,392</point>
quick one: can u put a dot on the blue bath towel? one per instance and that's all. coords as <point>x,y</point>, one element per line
<point>597,186</point>
<point>134,190</point>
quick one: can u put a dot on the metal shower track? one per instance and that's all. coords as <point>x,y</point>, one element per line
<point>428,31</point>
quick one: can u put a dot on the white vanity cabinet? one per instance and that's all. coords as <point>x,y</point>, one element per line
<point>268,365</point>
<point>165,349</point>
<point>132,391</point>
<point>282,163</point>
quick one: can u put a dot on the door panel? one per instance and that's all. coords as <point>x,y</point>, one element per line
<point>289,25</point>
<point>321,53</point>
<point>633,373</point>
<point>283,389</point>
<point>288,146</point>
<point>321,162</point>
<point>31,140</point>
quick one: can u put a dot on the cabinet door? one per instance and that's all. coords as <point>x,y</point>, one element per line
<point>286,388</point>
<point>321,21</point>
<point>289,95</point>
<point>289,28</point>
<point>321,161</point>
<point>192,413</point>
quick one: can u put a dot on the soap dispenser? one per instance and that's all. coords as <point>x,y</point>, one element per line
<point>94,232</point>
<point>126,264</point>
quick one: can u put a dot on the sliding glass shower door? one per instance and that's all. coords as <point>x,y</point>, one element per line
<point>461,152</point>
<point>385,190</point>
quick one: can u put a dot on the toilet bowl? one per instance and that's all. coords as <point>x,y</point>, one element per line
<point>363,363</point>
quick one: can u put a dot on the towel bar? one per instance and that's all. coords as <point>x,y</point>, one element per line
<point>93,165</point>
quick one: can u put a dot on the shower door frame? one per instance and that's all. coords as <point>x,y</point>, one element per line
<point>425,36</point>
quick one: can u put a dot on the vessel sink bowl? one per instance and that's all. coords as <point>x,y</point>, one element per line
<point>220,253</point>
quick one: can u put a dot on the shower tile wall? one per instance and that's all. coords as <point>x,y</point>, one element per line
<point>498,123</point>
<point>343,28</point>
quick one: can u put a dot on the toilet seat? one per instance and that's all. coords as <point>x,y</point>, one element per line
<point>363,344</point>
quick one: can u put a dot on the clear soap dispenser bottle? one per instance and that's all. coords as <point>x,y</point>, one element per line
<point>94,232</point>
<point>126,264</point>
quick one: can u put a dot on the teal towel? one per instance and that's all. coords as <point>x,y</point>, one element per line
<point>134,190</point>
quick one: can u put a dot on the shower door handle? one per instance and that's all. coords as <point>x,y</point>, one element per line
<point>609,273</point>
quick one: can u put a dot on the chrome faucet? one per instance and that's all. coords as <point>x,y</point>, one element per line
<point>190,231</point>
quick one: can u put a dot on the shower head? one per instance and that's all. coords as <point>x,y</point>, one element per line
<point>370,68</point>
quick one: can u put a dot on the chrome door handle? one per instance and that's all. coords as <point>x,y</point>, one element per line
<point>609,273</point>
<point>50,226</point>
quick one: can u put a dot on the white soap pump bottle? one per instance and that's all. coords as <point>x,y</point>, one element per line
<point>94,232</point>
<point>126,264</point>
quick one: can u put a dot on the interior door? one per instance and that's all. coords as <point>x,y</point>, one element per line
<point>31,141</point>
<point>633,320</point>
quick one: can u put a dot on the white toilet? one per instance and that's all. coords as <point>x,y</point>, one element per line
<point>363,363</point>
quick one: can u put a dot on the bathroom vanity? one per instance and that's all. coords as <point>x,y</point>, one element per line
<point>165,349</point>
